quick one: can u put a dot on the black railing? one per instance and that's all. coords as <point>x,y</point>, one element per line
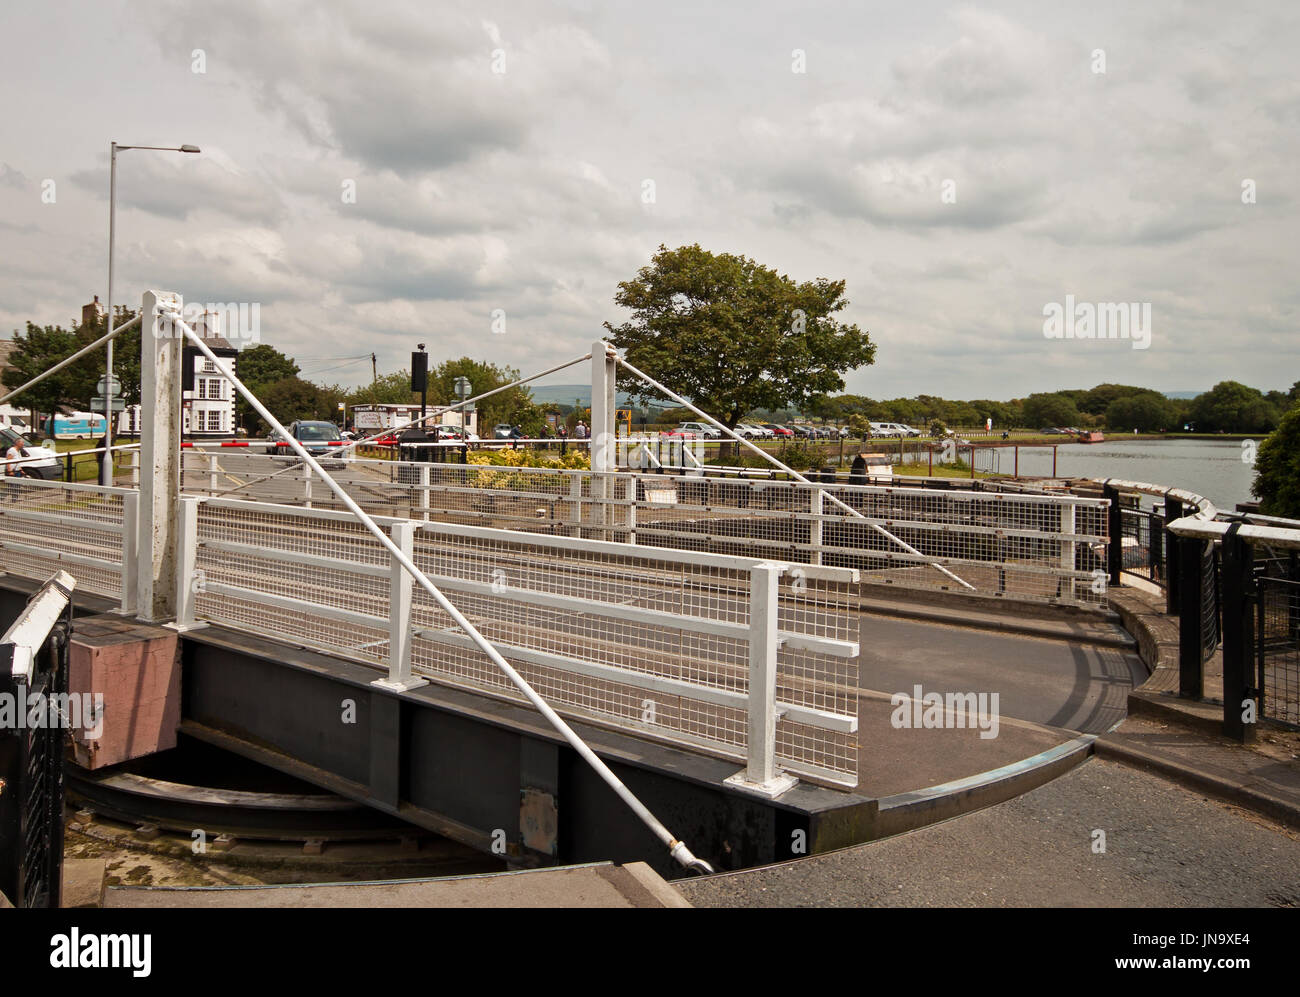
<point>1277,638</point>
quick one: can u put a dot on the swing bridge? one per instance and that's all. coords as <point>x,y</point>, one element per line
<point>601,663</point>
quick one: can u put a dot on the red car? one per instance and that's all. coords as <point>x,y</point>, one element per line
<point>777,430</point>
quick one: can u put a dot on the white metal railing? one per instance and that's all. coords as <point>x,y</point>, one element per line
<point>87,530</point>
<point>694,649</point>
<point>1022,545</point>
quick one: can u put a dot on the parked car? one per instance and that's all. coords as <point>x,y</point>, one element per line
<point>677,434</point>
<point>778,431</point>
<point>318,438</point>
<point>752,432</point>
<point>43,463</point>
<point>701,429</point>
<point>803,432</point>
<point>502,431</point>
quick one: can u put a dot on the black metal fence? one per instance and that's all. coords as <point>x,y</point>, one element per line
<point>1277,636</point>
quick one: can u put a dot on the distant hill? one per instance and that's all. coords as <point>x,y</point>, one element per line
<point>1183,394</point>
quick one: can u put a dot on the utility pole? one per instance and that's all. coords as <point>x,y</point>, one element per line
<point>374,370</point>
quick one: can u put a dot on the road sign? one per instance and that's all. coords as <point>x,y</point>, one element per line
<point>117,404</point>
<point>103,389</point>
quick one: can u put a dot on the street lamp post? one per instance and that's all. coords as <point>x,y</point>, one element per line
<point>106,474</point>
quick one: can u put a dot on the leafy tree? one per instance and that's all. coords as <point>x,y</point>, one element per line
<point>1231,407</point>
<point>514,405</point>
<point>390,389</point>
<point>1277,469</point>
<point>733,335</point>
<point>260,367</point>
<point>1145,412</point>
<point>293,398</point>
<point>1055,409</point>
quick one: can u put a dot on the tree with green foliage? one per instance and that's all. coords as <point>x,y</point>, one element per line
<point>388,389</point>
<point>1231,407</point>
<point>514,405</point>
<point>292,398</point>
<point>1277,469</point>
<point>733,335</point>
<point>1146,411</point>
<point>1055,409</point>
<point>260,367</point>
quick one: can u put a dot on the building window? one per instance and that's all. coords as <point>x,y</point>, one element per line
<point>208,366</point>
<point>214,421</point>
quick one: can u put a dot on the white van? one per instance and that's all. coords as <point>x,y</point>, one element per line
<point>15,419</point>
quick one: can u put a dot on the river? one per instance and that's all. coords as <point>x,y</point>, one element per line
<point>1211,468</point>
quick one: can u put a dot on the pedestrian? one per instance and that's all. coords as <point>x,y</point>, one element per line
<point>14,457</point>
<point>516,434</point>
<point>564,440</point>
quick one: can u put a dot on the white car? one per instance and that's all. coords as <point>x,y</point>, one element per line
<point>701,429</point>
<point>40,462</point>
<point>751,432</point>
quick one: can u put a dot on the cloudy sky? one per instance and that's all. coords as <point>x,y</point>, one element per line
<point>500,154</point>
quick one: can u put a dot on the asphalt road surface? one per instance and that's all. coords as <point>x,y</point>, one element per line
<point>1164,846</point>
<point>1079,687</point>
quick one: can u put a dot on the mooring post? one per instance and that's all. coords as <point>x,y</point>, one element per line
<point>160,456</point>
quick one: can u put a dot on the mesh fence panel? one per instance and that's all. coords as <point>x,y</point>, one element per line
<point>1013,545</point>
<point>644,641</point>
<point>75,528</point>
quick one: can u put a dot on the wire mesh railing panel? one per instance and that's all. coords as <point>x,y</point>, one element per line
<point>1030,547</point>
<point>648,638</point>
<point>286,576</point>
<point>46,526</point>
<point>1278,644</point>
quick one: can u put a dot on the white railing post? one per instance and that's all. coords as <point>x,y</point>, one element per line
<point>130,551</point>
<point>135,468</point>
<point>212,474</point>
<point>1067,551</point>
<point>815,527</point>
<point>425,470</point>
<point>189,582</point>
<point>400,590</point>
<point>760,775</point>
<point>575,500</point>
<point>306,485</point>
<point>632,480</point>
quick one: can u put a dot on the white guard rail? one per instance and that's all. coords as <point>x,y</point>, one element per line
<point>1031,547</point>
<point>694,649</point>
<point>87,530</point>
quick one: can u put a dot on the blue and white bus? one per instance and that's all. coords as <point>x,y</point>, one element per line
<point>74,425</point>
